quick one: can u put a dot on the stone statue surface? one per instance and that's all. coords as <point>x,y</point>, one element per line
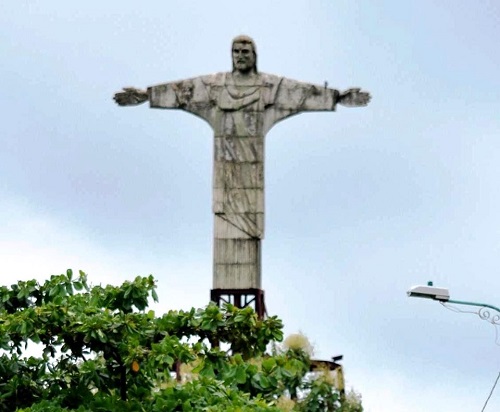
<point>241,107</point>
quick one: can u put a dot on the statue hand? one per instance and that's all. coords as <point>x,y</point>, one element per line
<point>354,98</point>
<point>131,96</point>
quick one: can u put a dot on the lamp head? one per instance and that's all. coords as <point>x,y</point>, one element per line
<point>429,292</point>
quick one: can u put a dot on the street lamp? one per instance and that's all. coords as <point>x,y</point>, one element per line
<point>442,295</point>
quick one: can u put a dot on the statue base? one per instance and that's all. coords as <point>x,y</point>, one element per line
<point>241,298</point>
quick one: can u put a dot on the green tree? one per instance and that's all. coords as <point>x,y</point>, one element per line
<point>102,350</point>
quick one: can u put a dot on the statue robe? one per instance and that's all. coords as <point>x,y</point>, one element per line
<point>240,117</point>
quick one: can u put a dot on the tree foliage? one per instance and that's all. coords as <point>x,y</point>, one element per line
<point>101,350</point>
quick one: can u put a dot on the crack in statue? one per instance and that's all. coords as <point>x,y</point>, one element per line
<point>241,107</point>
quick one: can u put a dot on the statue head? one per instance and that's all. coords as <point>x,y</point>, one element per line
<point>244,54</point>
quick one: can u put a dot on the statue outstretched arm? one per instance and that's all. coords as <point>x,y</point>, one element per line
<point>292,97</point>
<point>131,96</point>
<point>164,96</point>
<point>298,96</point>
<point>187,94</point>
<point>191,95</point>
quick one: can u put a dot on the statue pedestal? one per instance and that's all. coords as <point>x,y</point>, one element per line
<point>241,298</point>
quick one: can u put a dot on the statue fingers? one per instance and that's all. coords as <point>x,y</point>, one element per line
<point>124,99</point>
<point>365,97</point>
<point>120,97</point>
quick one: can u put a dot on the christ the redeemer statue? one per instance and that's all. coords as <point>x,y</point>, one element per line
<point>241,106</point>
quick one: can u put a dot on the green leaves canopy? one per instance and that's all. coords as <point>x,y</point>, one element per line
<point>100,350</point>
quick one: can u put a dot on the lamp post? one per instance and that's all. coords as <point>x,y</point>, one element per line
<point>442,295</point>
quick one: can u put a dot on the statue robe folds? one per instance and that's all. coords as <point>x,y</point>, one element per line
<point>240,117</point>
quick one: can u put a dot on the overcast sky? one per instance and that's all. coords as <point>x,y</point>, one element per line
<point>360,204</point>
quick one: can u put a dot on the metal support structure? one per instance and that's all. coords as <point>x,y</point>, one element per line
<point>332,366</point>
<point>483,305</point>
<point>241,298</point>
<point>483,312</point>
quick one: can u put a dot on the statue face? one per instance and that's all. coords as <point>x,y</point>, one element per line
<point>243,57</point>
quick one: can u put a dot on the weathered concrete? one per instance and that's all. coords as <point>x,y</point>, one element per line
<point>241,107</point>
